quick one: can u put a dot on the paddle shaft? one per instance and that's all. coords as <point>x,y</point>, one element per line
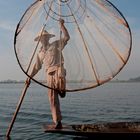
<point>17,108</point>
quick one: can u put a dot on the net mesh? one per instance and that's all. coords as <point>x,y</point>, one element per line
<point>99,46</point>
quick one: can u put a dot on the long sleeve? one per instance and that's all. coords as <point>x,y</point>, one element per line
<point>65,33</point>
<point>64,38</point>
<point>38,64</point>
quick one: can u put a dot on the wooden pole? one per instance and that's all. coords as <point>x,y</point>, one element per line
<point>27,83</point>
<point>18,107</point>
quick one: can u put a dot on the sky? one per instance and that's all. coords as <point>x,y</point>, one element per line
<point>12,10</point>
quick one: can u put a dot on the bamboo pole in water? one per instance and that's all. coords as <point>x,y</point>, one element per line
<point>17,108</point>
<point>27,83</point>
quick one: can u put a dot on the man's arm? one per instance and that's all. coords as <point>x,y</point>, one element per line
<point>64,30</point>
<point>36,67</point>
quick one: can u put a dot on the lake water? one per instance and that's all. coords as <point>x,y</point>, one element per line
<point>112,102</point>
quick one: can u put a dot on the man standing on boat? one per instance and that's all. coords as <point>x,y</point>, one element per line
<point>51,56</point>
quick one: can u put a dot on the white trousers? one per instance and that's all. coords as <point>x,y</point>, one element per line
<point>54,105</point>
<point>52,80</point>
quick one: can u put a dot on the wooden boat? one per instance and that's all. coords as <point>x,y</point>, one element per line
<point>91,130</point>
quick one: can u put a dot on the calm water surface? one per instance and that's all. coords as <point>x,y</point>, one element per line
<point>112,102</point>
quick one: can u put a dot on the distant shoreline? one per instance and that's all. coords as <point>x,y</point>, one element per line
<point>131,80</point>
<point>115,81</point>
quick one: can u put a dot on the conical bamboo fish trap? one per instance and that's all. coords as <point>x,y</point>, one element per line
<point>99,46</point>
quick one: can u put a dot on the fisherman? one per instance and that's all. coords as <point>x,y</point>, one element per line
<point>51,56</point>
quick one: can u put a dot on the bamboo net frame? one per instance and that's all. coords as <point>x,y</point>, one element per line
<point>89,65</point>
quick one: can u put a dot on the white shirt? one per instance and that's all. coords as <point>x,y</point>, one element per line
<point>51,56</point>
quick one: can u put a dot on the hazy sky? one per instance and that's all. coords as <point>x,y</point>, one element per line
<point>11,12</point>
